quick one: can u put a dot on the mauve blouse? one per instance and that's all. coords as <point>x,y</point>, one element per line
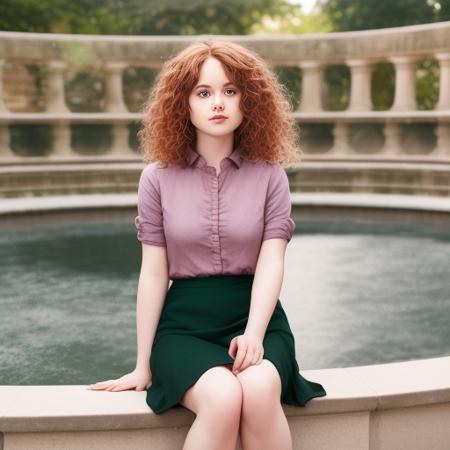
<point>213,224</point>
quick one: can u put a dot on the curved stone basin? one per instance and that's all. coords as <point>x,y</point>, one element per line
<point>377,406</point>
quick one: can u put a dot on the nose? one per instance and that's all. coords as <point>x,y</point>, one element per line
<point>217,103</point>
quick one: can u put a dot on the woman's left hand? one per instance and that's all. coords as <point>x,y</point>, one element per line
<point>246,350</point>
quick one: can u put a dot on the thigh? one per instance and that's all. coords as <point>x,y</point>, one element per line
<point>215,384</point>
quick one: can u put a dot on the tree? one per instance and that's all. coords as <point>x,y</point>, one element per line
<point>137,17</point>
<point>353,15</point>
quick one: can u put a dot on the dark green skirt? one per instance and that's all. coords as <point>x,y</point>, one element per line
<point>200,317</point>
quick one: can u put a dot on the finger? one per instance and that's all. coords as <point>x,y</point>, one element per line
<point>233,347</point>
<point>247,361</point>
<point>258,357</point>
<point>124,386</point>
<point>99,383</point>
<point>99,386</point>
<point>239,358</point>
<point>251,360</point>
<point>121,387</point>
<point>261,356</point>
<point>255,359</point>
<point>117,384</point>
<point>112,386</point>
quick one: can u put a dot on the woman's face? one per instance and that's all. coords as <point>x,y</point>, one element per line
<point>214,94</point>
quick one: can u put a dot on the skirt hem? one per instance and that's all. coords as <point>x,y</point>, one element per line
<point>174,402</point>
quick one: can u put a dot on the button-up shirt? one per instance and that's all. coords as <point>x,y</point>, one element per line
<point>213,224</point>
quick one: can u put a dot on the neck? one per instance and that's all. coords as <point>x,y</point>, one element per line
<point>214,148</point>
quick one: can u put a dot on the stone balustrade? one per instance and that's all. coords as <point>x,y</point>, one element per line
<point>403,47</point>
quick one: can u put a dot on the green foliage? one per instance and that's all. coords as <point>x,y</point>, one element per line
<point>290,80</point>
<point>137,17</point>
<point>32,15</point>
<point>137,82</point>
<point>351,15</point>
<point>84,92</point>
<point>383,86</point>
<point>290,19</point>
<point>427,84</point>
<point>336,88</point>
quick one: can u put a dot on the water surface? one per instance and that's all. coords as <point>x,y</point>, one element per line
<point>355,293</point>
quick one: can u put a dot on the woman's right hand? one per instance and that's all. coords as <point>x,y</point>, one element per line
<point>138,379</point>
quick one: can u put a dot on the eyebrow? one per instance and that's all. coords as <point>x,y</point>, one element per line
<point>207,86</point>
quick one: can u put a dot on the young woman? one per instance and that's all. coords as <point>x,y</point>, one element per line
<point>214,217</point>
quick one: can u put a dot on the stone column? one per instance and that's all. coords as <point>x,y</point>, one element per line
<point>392,144</point>
<point>341,145</point>
<point>2,103</point>
<point>120,145</point>
<point>360,95</point>
<point>55,99</point>
<point>61,140</point>
<point>55,102</point>
<point>114,88</point>
<point>311,86</point>
<point>405,83</point>
<point>5,148</point>
<point>114,103</point>
<point>444,81</point>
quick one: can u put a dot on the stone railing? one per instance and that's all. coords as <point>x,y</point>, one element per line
<point>111,55</point>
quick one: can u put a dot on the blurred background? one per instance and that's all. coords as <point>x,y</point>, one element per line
<point>85,87</point>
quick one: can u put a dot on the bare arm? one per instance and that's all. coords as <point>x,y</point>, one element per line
<point>151,293</point>
<point>266,285</point>
<point>247,349</point>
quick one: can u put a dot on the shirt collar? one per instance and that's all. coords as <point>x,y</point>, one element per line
<point>235,156</point>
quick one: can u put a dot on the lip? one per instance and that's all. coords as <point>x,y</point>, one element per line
<point>217,117</point>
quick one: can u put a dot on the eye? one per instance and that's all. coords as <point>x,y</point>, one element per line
<point>226,90</point>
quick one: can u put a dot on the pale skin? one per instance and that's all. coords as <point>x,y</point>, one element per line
<point>239,399</point>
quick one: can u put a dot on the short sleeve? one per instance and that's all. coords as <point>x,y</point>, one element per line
<point>277,209</point>
<point>149,221</point>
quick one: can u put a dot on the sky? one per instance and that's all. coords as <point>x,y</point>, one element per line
<point>307,5</point>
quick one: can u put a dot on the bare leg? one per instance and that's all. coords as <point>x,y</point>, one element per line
<point>216,399</point>
<point>264,425</point>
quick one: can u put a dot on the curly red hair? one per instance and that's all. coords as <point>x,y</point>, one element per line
<point>267,132</point>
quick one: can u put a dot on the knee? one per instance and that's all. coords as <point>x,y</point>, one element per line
<point>261,390</point>
<point>223,398</point>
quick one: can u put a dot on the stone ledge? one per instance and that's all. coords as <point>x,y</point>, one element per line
<point>419,202</point>
<point>111,176</point>
<point>349,390</point>
<point>412,40</point>
<point>64,202</point>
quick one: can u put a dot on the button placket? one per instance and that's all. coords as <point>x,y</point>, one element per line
<point>215,220</point>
